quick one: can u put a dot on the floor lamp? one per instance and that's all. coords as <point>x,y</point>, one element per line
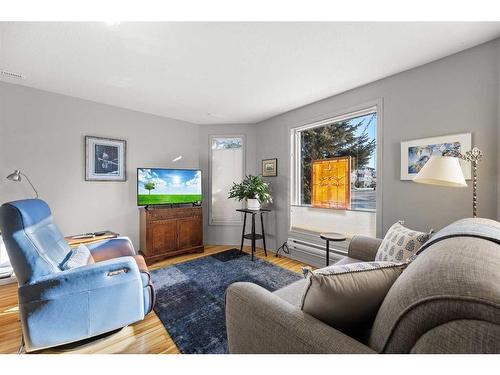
<point>445,170</point>
<point>16,176</point>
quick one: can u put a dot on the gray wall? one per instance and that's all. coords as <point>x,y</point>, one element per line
<point>223,234</point>
<point>456,94</point>
<point>498,141</point>
<point>42,134</point>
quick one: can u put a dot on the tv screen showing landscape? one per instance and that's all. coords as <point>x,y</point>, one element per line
<point>168,186</point>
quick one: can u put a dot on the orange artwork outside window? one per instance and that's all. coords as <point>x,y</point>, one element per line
<point>331,179</point>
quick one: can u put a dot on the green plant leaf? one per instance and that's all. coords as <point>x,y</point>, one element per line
<point>251,187</point>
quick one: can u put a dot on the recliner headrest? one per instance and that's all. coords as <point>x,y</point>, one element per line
<point>32,211</point>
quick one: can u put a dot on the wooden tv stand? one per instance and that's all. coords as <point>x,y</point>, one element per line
<point>169,231</point>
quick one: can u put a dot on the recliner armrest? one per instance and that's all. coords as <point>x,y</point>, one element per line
<point>111,248</point>
<point>82,279</point>
<point>259,322</point>
<point>363,248</point>
<point>82,302</point>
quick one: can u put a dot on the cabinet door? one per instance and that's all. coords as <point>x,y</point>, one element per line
<point>163,236</point>
<point>189,232</point>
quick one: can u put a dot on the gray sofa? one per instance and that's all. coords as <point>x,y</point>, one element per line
<point>446,301</point>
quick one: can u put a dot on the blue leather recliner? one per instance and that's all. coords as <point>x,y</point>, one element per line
<point>58,307</point>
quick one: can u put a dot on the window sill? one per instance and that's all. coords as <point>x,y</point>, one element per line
<point>334,209</point>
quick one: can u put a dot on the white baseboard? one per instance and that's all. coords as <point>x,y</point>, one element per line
<point>311,259</point>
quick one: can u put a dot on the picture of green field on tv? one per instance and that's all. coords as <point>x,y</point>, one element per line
<point>168,186</point>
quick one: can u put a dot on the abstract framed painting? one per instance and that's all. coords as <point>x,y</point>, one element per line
<point>105,159</point>
<point>415,153</point>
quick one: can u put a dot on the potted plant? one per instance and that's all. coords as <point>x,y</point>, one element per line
<point>253,189</point>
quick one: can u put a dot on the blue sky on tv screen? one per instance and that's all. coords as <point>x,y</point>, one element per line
<point>170,181</point>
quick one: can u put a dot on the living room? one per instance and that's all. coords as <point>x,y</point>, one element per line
<point>249,187</point>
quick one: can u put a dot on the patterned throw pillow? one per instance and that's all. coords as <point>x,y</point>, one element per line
<point>347,297</point>
<point>401,243</point>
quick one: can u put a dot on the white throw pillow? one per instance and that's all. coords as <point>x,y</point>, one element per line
<point>78,257</point>
<point>400,244</point>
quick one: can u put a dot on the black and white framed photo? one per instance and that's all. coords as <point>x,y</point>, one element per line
<point>105,159</point>
<point>269,167</point>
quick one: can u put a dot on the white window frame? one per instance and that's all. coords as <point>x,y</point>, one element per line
<point>211,137</point>
<point>295,170</point>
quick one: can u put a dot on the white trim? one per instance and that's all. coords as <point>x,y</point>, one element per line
<point>375,105</point>
<point>380,170</point>
<point>211,137</point>
<point>342,117</point>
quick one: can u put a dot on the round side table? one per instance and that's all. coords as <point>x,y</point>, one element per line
<point>336,237</point>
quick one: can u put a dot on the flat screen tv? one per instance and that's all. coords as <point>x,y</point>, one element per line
<point>157,186</point>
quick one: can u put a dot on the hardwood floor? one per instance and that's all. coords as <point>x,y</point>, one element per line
<point>147,336</point>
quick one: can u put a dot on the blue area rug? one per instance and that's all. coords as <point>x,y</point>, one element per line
<point>190,296</point>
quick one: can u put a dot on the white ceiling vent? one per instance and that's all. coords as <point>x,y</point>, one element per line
<point>9,74</point>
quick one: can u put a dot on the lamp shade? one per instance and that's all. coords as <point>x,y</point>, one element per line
<point>15,176</point>
<point>442,171</point>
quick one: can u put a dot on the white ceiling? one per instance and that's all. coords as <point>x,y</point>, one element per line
<point>222,72</point>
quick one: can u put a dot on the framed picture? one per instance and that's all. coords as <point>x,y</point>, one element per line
<point>105,159</point>
<point>269,167</point>
<point>415,153</point>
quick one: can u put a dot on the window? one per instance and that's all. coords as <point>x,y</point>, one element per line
<point>334,166</point>
<point>227,165</point>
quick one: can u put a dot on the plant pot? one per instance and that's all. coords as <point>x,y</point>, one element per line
<point>253,204</point>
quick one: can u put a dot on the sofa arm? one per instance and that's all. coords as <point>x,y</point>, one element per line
<point>111,248</point>
<point>363,248</point>
<point>259,322</point>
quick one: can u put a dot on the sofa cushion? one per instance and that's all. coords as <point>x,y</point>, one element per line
<point>400,243</point>
<point>347,260</point>
<point>35,245</point>
<point>363,248</point>
<point>292,293</point>
<point>347,297</point>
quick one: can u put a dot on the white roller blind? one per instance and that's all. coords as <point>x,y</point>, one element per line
<point>226,166</point>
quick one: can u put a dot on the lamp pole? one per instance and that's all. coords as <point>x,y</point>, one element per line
<point>473,156</point>
<point>36,192</point>
<point>16,176</point>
